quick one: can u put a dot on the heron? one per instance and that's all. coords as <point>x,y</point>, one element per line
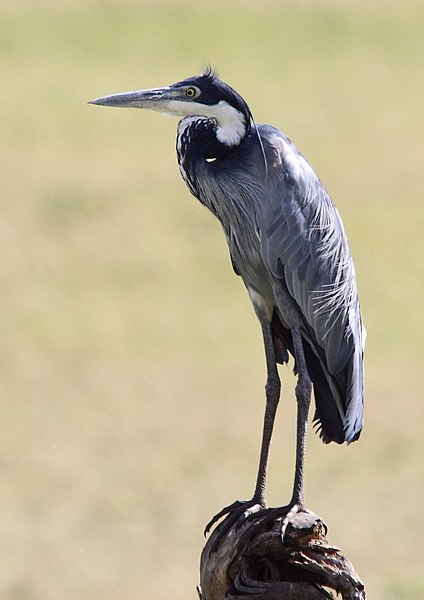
<point>287,243</point>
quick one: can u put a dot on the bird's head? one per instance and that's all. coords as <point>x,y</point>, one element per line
<point>200,96</point>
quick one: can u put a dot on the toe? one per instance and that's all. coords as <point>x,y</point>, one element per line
<point>225,511</point>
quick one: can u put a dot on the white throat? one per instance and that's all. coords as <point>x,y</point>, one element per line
<point>231,125</point>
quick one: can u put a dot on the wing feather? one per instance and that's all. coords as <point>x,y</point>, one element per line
<point>304,244</point>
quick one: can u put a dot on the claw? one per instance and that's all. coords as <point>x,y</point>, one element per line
<point>262,518</point>
<point>237,513</point>
<point>293,511</point>
<point>225,511</point>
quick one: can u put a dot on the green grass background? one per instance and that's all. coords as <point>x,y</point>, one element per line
<point>131,362</point>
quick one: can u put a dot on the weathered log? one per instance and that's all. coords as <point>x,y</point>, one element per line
<point>302,565</point>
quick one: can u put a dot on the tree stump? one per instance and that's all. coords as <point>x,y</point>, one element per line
<point>302,566</point>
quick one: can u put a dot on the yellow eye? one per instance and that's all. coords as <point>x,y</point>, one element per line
<point>191,92</point>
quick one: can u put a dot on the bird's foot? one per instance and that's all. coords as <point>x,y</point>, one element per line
<point>261,519</point>
<point>236,514</point>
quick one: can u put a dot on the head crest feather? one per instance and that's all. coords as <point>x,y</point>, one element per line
<point>209,71</point>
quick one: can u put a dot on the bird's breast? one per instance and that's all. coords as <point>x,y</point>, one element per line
<point>246,256</point>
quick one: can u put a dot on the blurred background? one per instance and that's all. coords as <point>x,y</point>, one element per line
<point>131,362</point>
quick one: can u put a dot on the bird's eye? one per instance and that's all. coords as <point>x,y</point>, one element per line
<point>191,92</point>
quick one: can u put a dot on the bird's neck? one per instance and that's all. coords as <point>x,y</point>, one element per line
<point>201,139</point>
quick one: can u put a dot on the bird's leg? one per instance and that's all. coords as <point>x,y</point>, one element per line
<point>272,390</point>
<point>297,502</point>
<point>303,397</point>
<point>241,509</point>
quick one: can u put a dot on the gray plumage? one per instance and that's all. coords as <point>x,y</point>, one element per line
<point>287,242</point>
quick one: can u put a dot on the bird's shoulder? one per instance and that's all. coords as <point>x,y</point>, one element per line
<point>295,204</point>
<point>282,157</point>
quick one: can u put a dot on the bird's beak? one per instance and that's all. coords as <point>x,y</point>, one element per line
<point>153,99</point>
